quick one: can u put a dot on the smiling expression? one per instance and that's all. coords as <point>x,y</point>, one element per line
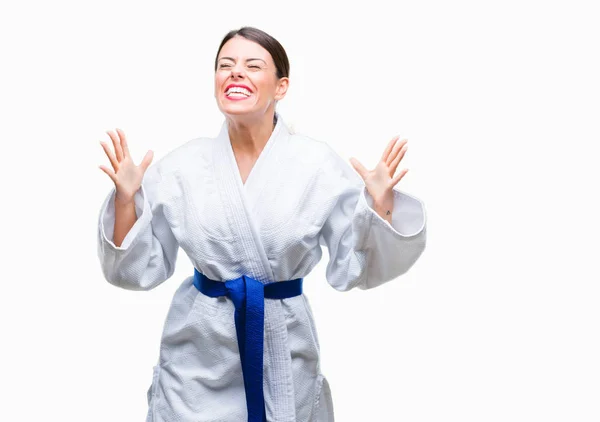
<point>246,79</point>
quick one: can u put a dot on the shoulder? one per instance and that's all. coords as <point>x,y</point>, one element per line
<point>189,154</point>
<point>319,158</point>
<point>311,150</point>
<point>319,152</point>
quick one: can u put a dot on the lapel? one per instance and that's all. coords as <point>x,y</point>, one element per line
<point>241,198</point>
<point>239,202</point>
<point>264,166</point>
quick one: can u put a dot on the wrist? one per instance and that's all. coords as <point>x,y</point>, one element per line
<point>385,202</point>
<point>384,211</point>
<point>124,200</point>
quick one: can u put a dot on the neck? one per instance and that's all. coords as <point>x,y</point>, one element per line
<point>250,137</point>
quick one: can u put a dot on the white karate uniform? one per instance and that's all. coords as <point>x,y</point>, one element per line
<point>299,196</point>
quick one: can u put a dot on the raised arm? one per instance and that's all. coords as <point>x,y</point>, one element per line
<point>136,247</point>
<point>127,178</point>
<point>374,232</point>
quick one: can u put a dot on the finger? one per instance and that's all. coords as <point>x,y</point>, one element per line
<point>395,151</point>
<point>388,149</point>
<point>399,176</point>
<point>360,169</point>
<point>123,142</point>
<point>117,145</point>
<point>111,156</point>
<point>147,160</point>
<point>110,173</point>
<point>400,156</point>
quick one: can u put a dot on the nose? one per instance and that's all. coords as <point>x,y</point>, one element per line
<point>237,71</point>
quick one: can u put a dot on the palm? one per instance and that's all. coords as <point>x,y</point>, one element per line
<point>126,176</point>
<point>381,180</point>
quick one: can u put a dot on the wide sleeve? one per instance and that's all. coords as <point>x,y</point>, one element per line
<point>365,250</point>
<point>147,255</point>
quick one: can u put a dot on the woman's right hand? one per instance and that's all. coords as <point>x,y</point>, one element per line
<point>126,175</point>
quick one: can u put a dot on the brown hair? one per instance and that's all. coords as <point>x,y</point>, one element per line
<point>266,41</point>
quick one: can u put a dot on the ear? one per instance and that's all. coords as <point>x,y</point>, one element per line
<point>282,87</point>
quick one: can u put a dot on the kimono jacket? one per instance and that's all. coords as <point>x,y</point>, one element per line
<point>299,196</point>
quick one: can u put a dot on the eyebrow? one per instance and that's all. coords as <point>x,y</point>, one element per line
<point>232,59</point>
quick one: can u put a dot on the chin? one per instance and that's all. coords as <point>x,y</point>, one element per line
<point>237,109</point>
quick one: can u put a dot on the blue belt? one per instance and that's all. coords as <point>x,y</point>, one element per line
<point>248,297</point>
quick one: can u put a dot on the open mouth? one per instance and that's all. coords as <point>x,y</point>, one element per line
<point>237,92</point>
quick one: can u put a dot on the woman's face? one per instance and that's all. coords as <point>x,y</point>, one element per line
<point>246,80</point>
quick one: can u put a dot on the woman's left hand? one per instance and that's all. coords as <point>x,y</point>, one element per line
<point>381,180</point>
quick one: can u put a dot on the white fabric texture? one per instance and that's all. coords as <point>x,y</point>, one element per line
<point>299,196</point>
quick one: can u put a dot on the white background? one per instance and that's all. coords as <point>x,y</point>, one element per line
<point>500,318</point>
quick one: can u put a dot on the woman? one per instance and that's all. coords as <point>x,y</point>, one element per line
<point>250,207</point>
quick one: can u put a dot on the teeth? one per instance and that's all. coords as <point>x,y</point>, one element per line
<point>238,90</point>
